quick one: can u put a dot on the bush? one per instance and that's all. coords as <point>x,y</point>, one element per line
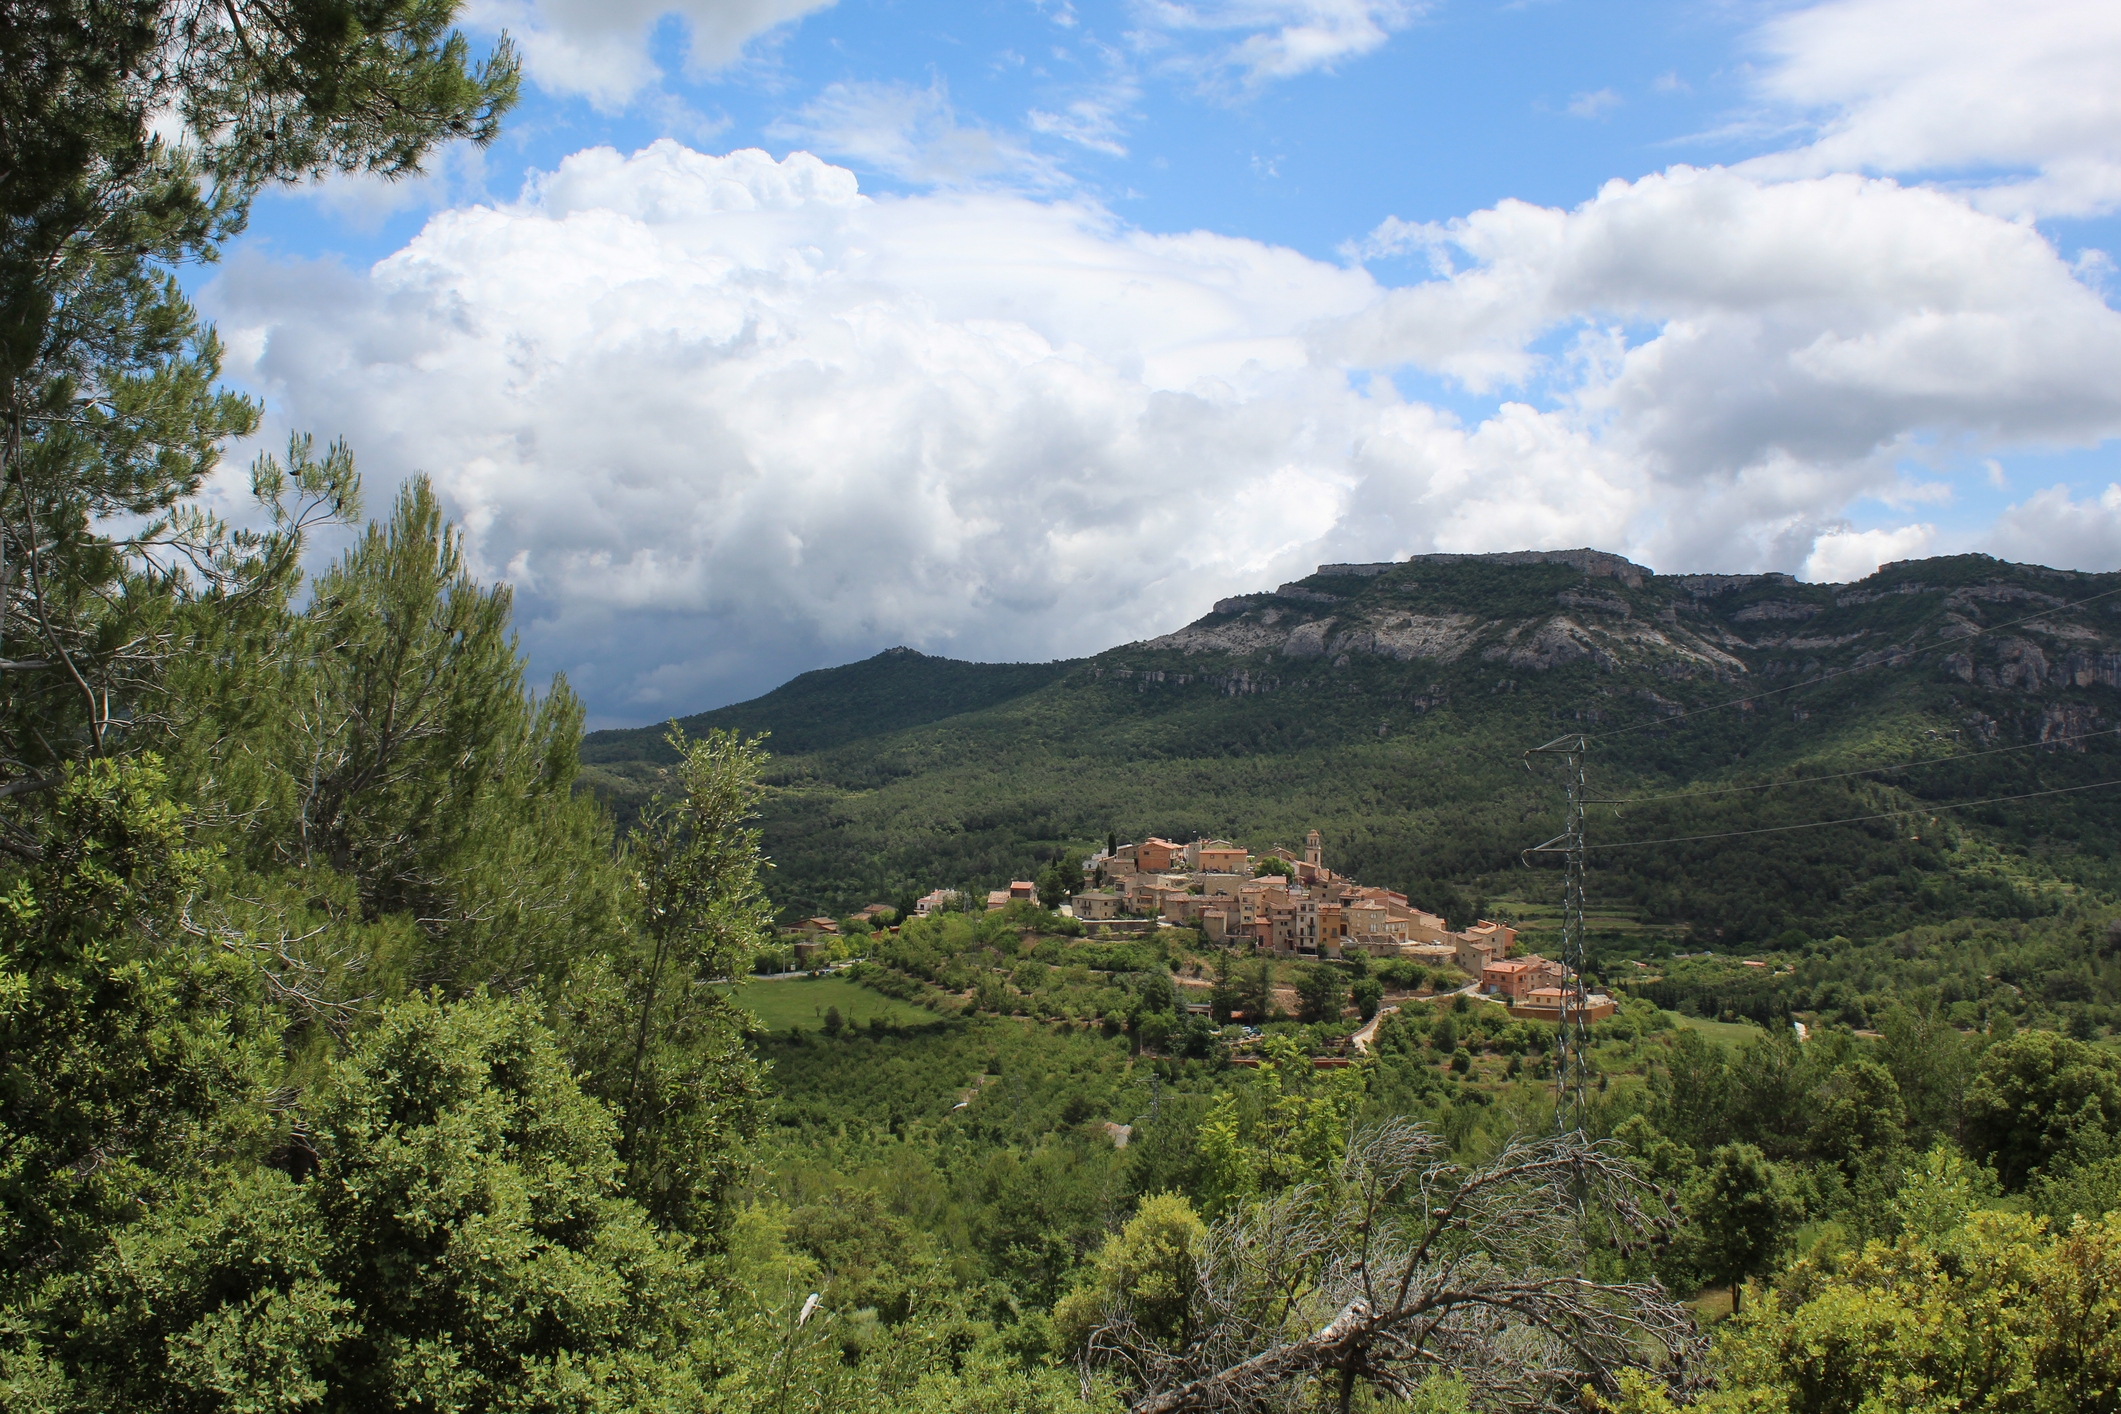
<point>1112,957</point>
<point>1402,975</point>
<point>1322,994</point>
<point>2002,1314</point>
<point>2040,1098</point>
<point>457,1244</point>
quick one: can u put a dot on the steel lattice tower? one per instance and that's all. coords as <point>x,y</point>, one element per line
<point>1572,1060</point>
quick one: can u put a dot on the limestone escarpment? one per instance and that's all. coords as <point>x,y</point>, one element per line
<point>1538,611</point>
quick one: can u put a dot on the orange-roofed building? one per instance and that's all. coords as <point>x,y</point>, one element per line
<point>1518,977</point>
<point>1154,856</point>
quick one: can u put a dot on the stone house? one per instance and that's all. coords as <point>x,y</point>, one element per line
<point>1474,952</point>
<point>1096,906</point>
<point>1544,1004</point>
<point>1370,927</point>
<point>1178,906</point>
<point>1281,923</point>
<point>1019,891</point>
<point>1507,936</point>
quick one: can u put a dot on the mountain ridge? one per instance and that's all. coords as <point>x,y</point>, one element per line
<point>798,714</point>
<point>1390,704</point>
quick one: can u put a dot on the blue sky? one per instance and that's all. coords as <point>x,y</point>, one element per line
<point>1465,105</point>
<point>1349,272</point>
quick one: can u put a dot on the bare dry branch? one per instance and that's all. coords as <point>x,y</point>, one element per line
<point>1409,1265</point>
<point>293,972</point>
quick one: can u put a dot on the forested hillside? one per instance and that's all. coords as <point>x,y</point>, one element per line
<point>895,690</point>
<point>1390,706</point>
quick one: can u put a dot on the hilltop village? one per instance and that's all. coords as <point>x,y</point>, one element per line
<point>1288,905</point>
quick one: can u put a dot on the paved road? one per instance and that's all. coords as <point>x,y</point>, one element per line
<point>791,976</point>
<point>1360,1041</point>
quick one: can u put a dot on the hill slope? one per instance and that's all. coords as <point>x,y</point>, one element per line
<point>1390,705</point>
<point>817,711</point>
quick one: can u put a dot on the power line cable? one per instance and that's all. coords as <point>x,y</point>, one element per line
<point>1850,820</point>
<point>1902,655</point>
<point>1845,775</point>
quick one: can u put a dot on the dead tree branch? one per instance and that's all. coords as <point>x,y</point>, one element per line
<point>1409,1265</point>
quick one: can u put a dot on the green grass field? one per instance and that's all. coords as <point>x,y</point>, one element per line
<point>1728,1032</point>
<point>783,1006</point>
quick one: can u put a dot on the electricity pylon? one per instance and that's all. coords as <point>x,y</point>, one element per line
<point>1572,1040</point>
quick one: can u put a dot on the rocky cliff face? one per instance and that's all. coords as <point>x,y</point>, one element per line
<point>2027,628</point>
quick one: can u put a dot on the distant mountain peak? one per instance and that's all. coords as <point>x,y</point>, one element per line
<point>1590,561</point>
<point>1603,562</point>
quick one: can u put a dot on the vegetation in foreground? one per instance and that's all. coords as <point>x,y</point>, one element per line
<point>1842,1183</point>
<point>349,1061</point>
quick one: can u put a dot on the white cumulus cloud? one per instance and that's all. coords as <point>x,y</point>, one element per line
<point>1594,105</point>
<point>1257,41</point>
<point>1957,88</point>
<point>913,132</point>
<point>1775,346</point>
<point>720,418</point>
<point>2052,527</point>
<point>599,48</point>
<point>709,409</point>
<point>1841,556</point>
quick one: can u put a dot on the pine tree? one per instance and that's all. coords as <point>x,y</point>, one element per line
<point>111,410</point>
<point>655,1039</point>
